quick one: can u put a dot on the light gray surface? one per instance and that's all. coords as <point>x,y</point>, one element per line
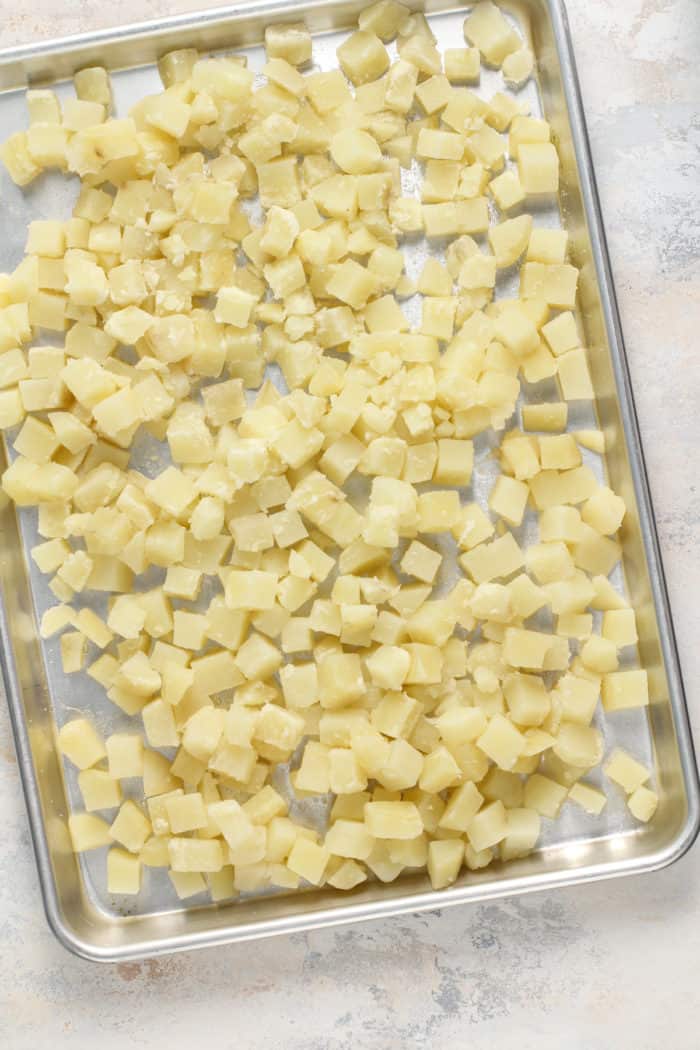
<point>601,966</point>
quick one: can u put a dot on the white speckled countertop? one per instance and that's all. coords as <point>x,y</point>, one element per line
<point>605,966</point>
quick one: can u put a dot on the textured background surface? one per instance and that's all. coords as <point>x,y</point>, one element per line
<point>591,968</point>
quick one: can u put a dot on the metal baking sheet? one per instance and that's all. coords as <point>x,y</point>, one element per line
<point>575,848</point>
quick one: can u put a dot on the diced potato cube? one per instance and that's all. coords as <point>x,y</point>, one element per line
<point>363,57</point>
<point>123,872</point>
<point>487,29</point>
<point>130,827</point>
<point>589,798</point>
<point>625,770</point>
<point>88,832</point>
<point>445,858</point>
<point>643,803</point>
<point>622,690</point>
<point>393,820</point>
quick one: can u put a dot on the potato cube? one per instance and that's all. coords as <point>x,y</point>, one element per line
<point>463,805</point>
<point>421,561</point>
<point>187,855</point>
<point>642,803</point>
<point>80,742</point>
<point>308,860</point>
<point>289,41</point>
<point>445,858</point>
<point>622,690</point>
<point>130,827</point>
<point>462,64</point>
<point>124,755</point>
<point>509,498</point>
<point>123,872</point>
<point>88,832</point>
<point>625,770</point>
<point>487,29</point>
<point>544,795</point>
<point>538,167</point>
<point>234,306</point>
<point>393,820</point>
<point>620,627</point>
<point>363,57</point>
<point>502,742</point>
<point>589,798</point>
<point>340,680</point>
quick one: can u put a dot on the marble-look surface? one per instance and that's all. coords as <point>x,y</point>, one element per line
<point>593,968</point>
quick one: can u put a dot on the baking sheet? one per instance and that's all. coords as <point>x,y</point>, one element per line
<point>569,844</point>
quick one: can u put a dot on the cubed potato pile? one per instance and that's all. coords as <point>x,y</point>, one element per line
<point>330,593</point>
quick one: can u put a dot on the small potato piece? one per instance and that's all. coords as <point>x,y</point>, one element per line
<point>643,803</point>
<point>290,41</point>
<point>589,798</point>
<point>363,57</point>
<point>80,742</point>
<point>462,64</point>
<point>538,167</point>
<point>123,872</point>
<point>393,820</point>
<point>625,770</point>
<point>88,832</point>
<point>517,67</point>
<point>355,151</point>
<point>445,859</point>
<point>308,860</point>
<point>487,29</point>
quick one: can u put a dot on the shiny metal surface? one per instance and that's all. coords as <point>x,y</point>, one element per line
<point>575,849</point>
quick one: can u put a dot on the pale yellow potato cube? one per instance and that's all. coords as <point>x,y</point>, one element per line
<point>80,742</point>
<point>186,812</point>
<point>643,803</point>
<point>509,239</point>
<point>73,649</point>
<point>124,755</point>
<point>502,742</point>
<point>487,29</point>
<point>130,827</point>
<point>195,855</point>
<point>620,626</point>
<point>88,832</point>
<point>578,745</point>
<point>550,416</point>
<point>234,306</point>
<point>349,838</point>
<point>591,439</point>
<point>308,860</point>
<point>251,590</point>
<point>508,499</point>
<point>463,805</point>
<point>348,875</point>
<point>625,770</point>
<point>393,820</point>
<point>538,167</point>
<point>574,376</point>
<point>290,41</point>
<point>93,85</point>
<point>489,826</point>
<point>421,561</point>
<point>258,658</point>
<point>123,872</point>
<point>340,680</point>
<point>363,57</point>
<point>187,884</point>
<point>462,64</point>
<point>518,66</point>
<point>527,699</point>
<point>622,690</point>
<point>544,795</point>
<point>588,798</point>
<point>445,858</point>
<point>600,655</point>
